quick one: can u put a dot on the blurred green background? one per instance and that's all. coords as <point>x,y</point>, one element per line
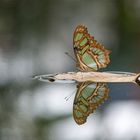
<point>34,36</point>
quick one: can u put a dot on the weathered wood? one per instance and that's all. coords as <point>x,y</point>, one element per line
<point>97,77</point>
<point>106,77</point>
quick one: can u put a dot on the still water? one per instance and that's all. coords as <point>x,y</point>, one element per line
<point>34,36</point>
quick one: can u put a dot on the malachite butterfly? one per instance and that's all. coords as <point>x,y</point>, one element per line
<point>90,54</point>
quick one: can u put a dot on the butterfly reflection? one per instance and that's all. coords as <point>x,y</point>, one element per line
<point>88,98</point>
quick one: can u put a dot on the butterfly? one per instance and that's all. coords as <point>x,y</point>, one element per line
<point>90,56</point>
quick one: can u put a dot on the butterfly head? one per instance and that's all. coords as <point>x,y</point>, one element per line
<point>138,79</point>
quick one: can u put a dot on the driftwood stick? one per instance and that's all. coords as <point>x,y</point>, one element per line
<point>106,77</point>
<point>97,77</point>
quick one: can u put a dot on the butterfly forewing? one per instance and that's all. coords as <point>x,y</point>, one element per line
<point>90,55</point>
<point>88,97</point>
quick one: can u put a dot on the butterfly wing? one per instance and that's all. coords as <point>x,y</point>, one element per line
<point>90,55</point>
<point>89,96</point>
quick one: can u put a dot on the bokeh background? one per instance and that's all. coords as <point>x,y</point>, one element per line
<point>34,36</point>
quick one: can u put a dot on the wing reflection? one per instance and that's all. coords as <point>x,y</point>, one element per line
<point>88,98</point>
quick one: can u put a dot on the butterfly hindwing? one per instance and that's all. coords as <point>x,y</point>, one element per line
<point>90,55</point>
<point>88,97</point>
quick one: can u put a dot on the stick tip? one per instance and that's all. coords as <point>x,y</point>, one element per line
<point>137,80</point>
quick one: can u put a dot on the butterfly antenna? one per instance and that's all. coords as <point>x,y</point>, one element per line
<point>69,96</point>
<point>70,56</point>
